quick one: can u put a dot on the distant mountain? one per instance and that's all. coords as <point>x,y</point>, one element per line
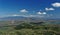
<point>27,18</point>
<point>13,18</point>
<point>21,18</point>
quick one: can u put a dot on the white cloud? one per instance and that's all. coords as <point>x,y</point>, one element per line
<point>44,13</point>
<point>23,10</point>
<point>15,15</point>
<point>33,16</point>
<point>48,9</point>
<point>28,16</point>
<point>56,4</point>
<point>23,15</point>
<point>41,13</point>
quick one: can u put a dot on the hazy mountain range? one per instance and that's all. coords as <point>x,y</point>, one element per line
<point>26,18</point>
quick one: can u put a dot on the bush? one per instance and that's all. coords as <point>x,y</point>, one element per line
<point>23,25</point>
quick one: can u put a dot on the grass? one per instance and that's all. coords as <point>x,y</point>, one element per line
<point>31,29</point>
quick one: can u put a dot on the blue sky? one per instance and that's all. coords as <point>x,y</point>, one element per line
<point>30,8</point>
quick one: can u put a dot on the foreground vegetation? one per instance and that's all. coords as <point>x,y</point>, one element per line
<point>31,28</point>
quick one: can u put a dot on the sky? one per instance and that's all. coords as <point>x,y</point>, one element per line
<point>30,8</point>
